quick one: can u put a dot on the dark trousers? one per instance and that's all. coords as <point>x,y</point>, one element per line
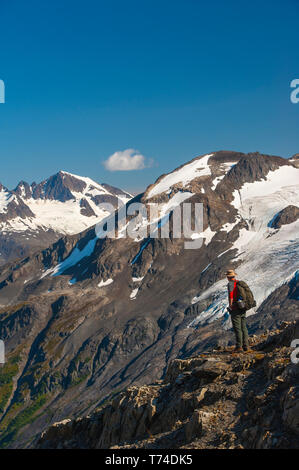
<point>239,325</point>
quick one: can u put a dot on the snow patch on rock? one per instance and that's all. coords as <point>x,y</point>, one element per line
<point>105,283</point>
<point>184,175</point>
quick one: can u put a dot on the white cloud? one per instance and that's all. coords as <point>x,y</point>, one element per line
<point>127,160</point>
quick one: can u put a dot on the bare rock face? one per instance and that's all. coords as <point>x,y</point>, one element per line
<point>116,191</point>
<point>295,160</point>
<point>251,401</point>
<point>203,368</point>
<point>15,208</point>
<point>86,209</point>
<point>197,424</point>
<point>286,216</point>
<point>291,409</point>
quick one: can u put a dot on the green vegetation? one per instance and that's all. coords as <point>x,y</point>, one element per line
<point>7,311</point>
<point>7,373</point>
<point>17,416</point>
<point>78,380</point>
<point>24,417</point>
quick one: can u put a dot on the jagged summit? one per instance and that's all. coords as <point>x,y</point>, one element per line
<point>64,186</point>
<point>62,204</point>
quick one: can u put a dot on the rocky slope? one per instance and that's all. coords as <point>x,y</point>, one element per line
<point>34,216</point>
<point>218,399</point>
<point>91,316</point>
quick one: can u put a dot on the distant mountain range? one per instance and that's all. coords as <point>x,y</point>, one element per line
<point>34,216</point>
<point>87,317</point>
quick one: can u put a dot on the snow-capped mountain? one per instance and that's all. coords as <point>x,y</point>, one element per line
<point>93,315</point>
<point>33,216</point>
<point>267,249</point>
<point>250,221</point>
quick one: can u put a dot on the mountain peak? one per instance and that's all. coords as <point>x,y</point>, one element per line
<point>63,204</point>
<point>23,190</point>
<point>209,169</point>
<point>2,188</point>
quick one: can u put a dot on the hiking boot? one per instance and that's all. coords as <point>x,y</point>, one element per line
<point>238,349</point>
<point>247,349</point>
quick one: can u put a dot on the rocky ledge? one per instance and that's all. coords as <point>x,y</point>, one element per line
<point>219,399</point>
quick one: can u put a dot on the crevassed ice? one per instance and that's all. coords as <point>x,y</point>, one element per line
<point>275,180</point>
<point>268,257</point>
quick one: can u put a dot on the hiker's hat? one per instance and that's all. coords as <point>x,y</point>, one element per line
<point>230,273</point>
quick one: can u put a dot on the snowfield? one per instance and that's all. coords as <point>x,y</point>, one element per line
<point>269,257</point>
<point>276,180</point>
<point>63,217</point>
<point>183,175</point>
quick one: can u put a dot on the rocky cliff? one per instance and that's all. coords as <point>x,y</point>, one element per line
<point>219,399</point>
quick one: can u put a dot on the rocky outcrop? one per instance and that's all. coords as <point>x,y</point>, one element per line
<point>217,400</point>
<point>295,160</point>
<point>286,216</point>
<point>116,191</point>
<point>15,208</point>
<point>86,209</point>
<point>58,187</point>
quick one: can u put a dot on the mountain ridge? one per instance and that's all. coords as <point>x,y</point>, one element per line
<point>204,401</point>
<point>88,316</point>
<point>33,216</point>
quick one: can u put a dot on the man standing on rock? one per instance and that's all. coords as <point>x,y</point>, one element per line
<point>240,299</point>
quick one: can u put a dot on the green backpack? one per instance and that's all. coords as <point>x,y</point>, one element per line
<point>246,294</point>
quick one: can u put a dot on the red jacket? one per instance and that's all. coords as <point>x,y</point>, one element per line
<point>233,296</point>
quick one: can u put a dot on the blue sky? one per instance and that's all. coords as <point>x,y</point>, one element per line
<point>171,79</point>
